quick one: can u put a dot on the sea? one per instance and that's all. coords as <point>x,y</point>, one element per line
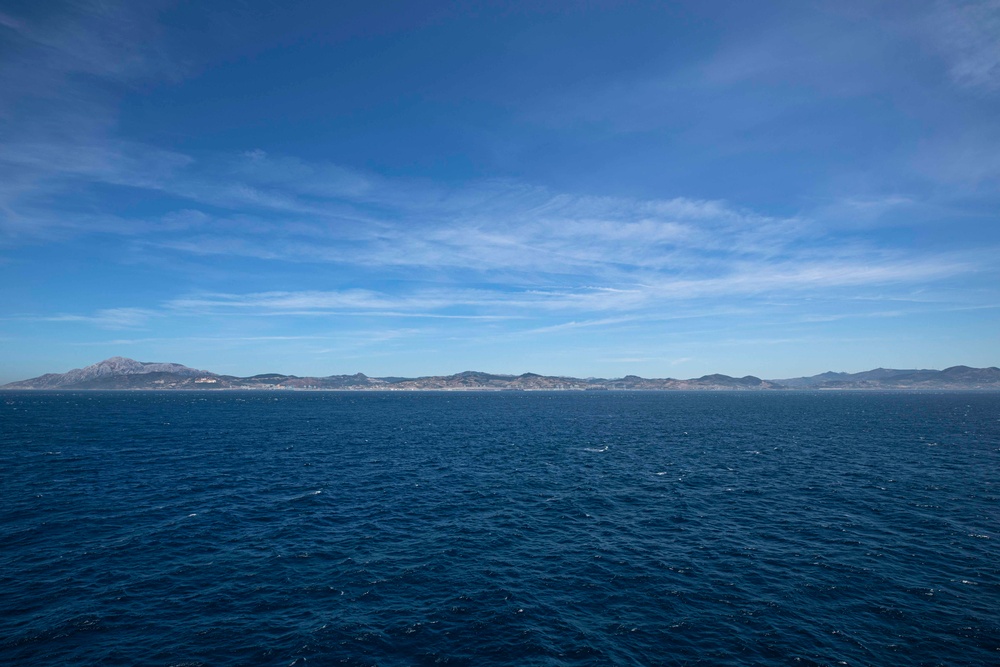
<point>505,528</point>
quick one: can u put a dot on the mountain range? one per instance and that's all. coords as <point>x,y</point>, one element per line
<point>123,373</point>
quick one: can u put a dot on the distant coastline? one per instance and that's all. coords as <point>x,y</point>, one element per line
<point>121,373</point>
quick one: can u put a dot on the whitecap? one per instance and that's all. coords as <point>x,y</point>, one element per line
<point>306,495</point>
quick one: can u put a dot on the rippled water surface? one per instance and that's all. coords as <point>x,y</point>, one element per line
<point>500,528</point>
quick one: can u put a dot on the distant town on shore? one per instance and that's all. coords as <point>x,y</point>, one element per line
<point>120,373</point>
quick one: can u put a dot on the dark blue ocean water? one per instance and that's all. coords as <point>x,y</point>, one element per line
<point>500,529</point>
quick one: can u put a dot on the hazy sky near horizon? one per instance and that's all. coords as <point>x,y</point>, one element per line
<point>595,189</point>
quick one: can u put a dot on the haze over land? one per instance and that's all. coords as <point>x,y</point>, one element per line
<point>650,189</point>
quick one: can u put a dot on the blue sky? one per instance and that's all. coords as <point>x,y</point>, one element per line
<point>595,189</point>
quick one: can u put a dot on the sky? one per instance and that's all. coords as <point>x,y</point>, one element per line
<point>666,189</point>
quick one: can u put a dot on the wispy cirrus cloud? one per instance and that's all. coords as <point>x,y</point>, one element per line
<point>327,213</point>
<point>67,68</point>
<point>506,302</point>
<point>531,253</point>
<point>105,318</point>
<point>968,34</point>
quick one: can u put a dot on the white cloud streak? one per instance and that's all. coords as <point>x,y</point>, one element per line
<point>108,318</point>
